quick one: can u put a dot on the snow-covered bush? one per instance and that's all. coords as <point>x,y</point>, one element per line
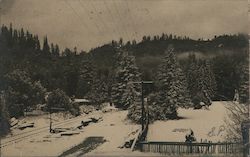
<point>86,109</point>
<point>237,113</point>
<point>58,100</point>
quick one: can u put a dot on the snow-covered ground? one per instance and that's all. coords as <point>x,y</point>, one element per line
<point>40,121</point>
<point>115,128</point>
<point>206,124</point>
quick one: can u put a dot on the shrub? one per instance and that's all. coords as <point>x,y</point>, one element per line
<point>58,100</point>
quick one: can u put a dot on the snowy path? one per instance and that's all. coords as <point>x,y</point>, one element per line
<point>206,124</point>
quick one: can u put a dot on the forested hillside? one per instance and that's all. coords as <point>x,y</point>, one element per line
<point>29,68</point>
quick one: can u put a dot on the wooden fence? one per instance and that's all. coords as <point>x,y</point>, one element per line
<point>183,148</point>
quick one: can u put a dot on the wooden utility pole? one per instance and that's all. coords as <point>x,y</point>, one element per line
<point>50,119</point>
<point>142,101</point>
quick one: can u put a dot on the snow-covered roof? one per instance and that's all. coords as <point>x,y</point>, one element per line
<point>81,100</point>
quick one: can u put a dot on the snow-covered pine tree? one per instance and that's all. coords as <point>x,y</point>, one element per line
<point>184,95</point>
<point>150,109</point>
<point>203,85</point>
<point>209,79</point>
<point>134,111</point>
<point>192,74</point>
<point>86,76</point>
<point>170,93</point>
<point>201,80</point>
<point>99,90</point>
<point>126,72</point>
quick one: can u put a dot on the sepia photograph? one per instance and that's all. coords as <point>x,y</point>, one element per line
<point>124,78</point>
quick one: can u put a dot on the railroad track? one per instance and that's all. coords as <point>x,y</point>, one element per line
<point>25,135</point>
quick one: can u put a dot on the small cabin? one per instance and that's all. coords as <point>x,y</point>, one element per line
<point>82,101</point>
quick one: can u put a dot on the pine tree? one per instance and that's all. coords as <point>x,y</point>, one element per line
<point>4,116</point>
<point>22,38</point>
<point>22,93</point>
<point>57,50</point>
<point>134,111</point>
<point>171,90</point>
<point>192,75</point>
<point>52,49</point>
<point>184,96</point>
<point>86,77</point>
<point>209,79</point>
<point>46,48</point>
<point>99,90</point>
<point>201,80</point>
<point>37,43</point>
<point>123,90</point>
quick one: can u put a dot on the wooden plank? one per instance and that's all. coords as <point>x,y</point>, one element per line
<point>70,133</point>
<point>135,140</point>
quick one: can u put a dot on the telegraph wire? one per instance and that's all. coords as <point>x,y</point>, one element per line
<point>120,17</point>
<point>100,18</point>
<point>132,20</point>
<point>78,16</point>
<point>112,17</point>
<point>89,16</point>
<point>138,32</point>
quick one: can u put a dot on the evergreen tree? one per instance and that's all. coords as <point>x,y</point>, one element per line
<point>37,43</point>
<point>52,49</point>
<point>22,38</point>
<point>57,50</point>
<point>46,48</point>
<point>184,96</point>
<point>126,72</point>
<point>22,93</point>
<point>171,90</point>
<point>210,79</point>
<point>192,75</point>
<point>86,77</point>
<point>4,116</point>
<point>58,98</point>
<point>135,110</point>
<point>201,80</point>
<point>99,90</point>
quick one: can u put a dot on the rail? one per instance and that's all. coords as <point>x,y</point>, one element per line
<point>191,148</point>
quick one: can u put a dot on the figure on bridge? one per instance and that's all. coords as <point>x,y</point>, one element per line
<point>190,137</point>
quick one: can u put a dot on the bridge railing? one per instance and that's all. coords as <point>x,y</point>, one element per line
<point>191,148</point>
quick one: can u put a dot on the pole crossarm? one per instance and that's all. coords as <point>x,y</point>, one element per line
<point>143,82</point>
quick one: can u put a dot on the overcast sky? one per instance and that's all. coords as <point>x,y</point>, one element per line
<point>90,23</point>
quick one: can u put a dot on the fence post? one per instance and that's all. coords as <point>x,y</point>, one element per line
<point>245,135</point>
